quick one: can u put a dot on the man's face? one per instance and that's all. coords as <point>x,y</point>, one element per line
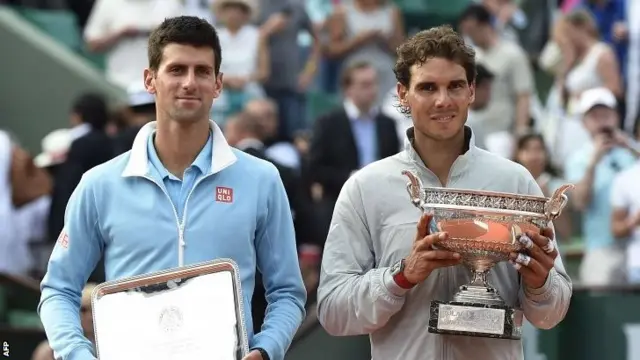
<point>185,83</point>
<point>439,97</point>
<point>599,118</point>
<point>363,90</point>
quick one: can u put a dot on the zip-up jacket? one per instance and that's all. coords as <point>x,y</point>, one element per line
<point>237,210</point>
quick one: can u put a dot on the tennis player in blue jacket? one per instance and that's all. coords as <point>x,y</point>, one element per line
<point>180,196</point>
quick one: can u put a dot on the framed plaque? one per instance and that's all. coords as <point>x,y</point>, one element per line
<point>191,312</point>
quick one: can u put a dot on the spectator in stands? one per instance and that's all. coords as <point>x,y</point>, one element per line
<point>531,152</point>
<point>367,30</point>
<point>591,64</point>
<point>141,110</point>
<point>478,109</point>
<point>611,20</point>
<point>120,28</point>
<point>44,351</point>
<point>349,137</point>
<point>593,168</point>
<point>246,64</point>
<point>23,187</point>
<point>513,85</point>
<point>281,21</point>
<point>283,152</point>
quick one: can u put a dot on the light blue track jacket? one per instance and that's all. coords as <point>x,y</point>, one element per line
<point>118,210</point>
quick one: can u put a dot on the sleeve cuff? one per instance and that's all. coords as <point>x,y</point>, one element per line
<point>542,292</point>
<point>81,353</point>
<point>390,285</point>
<point>268,345</point>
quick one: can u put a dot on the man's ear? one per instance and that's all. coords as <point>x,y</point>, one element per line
<point>150,81</point>
<point>472,92</point>
<point>218,88</point>
<point>403,93</point>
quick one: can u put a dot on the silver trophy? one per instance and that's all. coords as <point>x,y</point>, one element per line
<point>484,228</point>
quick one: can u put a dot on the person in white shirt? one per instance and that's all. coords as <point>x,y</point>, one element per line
<point>121,28</point>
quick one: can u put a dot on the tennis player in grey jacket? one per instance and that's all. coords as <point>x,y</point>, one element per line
<point>375,226</point>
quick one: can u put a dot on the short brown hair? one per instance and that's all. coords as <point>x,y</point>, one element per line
<point>346,76</point>
<point>438,42</point>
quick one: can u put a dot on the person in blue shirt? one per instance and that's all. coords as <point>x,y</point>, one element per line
<point>180,196</point>
<point>593,168</point>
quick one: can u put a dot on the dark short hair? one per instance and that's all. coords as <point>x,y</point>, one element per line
<point>92,109</point>
<point>438,42</point>
<point>483,74</point>
<point>477,12</point>
<point>183,30</point>
<point>346,76</point>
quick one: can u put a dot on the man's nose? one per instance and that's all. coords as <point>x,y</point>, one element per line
<point>443,98</point>
<point>189,81</point>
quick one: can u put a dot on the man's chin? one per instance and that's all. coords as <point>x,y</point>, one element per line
<point>189,116</point>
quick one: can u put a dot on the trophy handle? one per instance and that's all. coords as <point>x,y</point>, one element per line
<point>414,187</point>
<point>553,207</point>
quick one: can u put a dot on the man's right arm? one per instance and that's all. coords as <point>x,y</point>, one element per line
<point>354,298</point>
<point>74,257</point>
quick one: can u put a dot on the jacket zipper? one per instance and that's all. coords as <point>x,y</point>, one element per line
<point>183,243</point>
<point>178,222</point>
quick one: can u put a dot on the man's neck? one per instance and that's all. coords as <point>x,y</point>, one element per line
<point>179,145</point>
<point>439,156</point>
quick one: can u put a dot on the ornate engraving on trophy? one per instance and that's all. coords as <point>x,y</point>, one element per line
<point>468,318</point>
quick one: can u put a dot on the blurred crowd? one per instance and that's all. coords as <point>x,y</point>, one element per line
<point>583,130</point>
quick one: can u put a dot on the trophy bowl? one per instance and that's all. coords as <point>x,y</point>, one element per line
<point>484,227</point>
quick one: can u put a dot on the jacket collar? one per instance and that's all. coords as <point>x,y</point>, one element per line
<point>459,166</point>
<point>222,155</point>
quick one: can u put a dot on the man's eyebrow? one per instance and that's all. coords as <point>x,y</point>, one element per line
<point>452,82</point>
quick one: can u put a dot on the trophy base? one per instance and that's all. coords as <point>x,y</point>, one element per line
<point>475,319</point>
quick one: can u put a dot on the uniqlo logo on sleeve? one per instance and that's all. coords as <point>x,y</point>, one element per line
<point>224,194</point>
<point>63,239</point>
